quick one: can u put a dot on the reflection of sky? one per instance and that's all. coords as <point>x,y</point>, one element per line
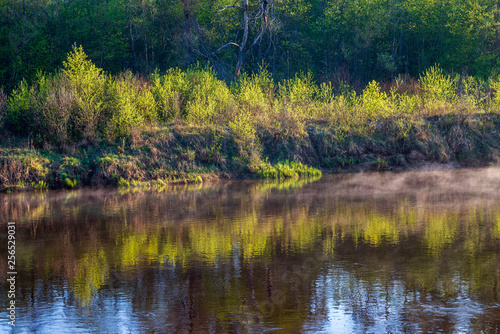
<point>352,305</point>
<point>341,302</point>
<point>57,314</point>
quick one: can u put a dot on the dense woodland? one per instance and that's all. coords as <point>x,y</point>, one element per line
<point>346,41</point>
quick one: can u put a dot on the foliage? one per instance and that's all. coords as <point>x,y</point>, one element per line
<point>283,170</point>
<point>88,86</point>
<point>20,115</point>
<point>132,105</point>
<point>337,41</point>
<point>209,99</point>
<point>170,92</point>
<point>374,101</point>
<point>437,85</point>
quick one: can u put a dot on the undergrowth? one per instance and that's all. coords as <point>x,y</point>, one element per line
<point>182,126</point>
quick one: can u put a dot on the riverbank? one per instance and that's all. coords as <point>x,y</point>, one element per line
<point>184,153</point>
<point>81,127</point>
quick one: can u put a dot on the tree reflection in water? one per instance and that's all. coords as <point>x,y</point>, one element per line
<point>403,252</point>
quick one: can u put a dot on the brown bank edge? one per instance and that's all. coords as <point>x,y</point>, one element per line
<point>183,153</point>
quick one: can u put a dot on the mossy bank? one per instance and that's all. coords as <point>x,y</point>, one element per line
<point>183,153</point>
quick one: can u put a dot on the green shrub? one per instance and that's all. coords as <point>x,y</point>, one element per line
<point>88,83</point>
<point>132,104</point>
<point>241,127</point>
<point>122,183</point>
<point>495,101</point>
<point>283,170</point>
<point>407,103</point>
<point>245,135</point>
<point>20,114</point>
<point>375,102</point>
<point>70,184</point>
<point>436,85</point>
<point>301,88</point>
<point>251,97</point>
<point>471,93</point>
<point>43,109</point>
<point>325,93</point>
<point>210,98</point>
<point>170,92</point>
<point>40,185</point>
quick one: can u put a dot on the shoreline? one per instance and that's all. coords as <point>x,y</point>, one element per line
<point>183,153</point>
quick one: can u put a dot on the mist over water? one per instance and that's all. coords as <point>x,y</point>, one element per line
<point>391,252</point>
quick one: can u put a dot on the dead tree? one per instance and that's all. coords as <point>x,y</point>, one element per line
<point>244,47</point>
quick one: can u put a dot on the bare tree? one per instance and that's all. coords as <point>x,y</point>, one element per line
<point>244,47</point>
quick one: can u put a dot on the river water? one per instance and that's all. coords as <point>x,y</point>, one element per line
<point>393,252</point>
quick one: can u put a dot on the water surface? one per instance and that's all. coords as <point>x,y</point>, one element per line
<point>393,252</point>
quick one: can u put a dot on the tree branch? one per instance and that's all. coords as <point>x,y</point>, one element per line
<point>226,45</point>
<point>230,6</point>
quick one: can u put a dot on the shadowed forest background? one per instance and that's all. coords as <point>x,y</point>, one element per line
<point>343,41</point>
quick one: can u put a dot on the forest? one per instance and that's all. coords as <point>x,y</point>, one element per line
<point>338,41</point>
<point>143,93</point>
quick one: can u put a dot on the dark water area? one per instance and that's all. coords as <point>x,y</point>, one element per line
<point>414,252</point>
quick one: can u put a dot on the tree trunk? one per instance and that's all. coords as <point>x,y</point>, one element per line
<point>132,49</point>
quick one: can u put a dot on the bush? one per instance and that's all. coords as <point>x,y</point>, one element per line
<point>436,85</point>
<point>245,136</point>
<point>210,98</point>
<point>301,88</point>
<point>471,93</point>
<point>20,112</point>
<point>375,102</point>
<point>284,170</point>
<point>55,103</point>
<point>132,104</point>
<point>251,97</point>
<point>88,86</point>
<point>170,92</point>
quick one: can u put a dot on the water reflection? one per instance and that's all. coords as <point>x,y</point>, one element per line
<point>389,252</point>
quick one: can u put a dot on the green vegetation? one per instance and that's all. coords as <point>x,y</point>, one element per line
<point>174,91</point>
<point>284,170</point>
<point>338,41</point>
<point>84,127</point>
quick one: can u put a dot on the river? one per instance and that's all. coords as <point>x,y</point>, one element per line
<point>355,253</point>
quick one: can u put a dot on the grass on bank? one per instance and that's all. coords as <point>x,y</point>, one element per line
<point>90,128</point>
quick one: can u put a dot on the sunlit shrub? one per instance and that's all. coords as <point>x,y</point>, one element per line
<point>210,98</point>
<point>471,93</point>
<point>301,88</point>
<point>286,169</point>
<point>251,97</point>
<point>407,103</point>
<point>375,102</point>
<point>132,104</point>
<point>323,105</point>
<point>438,87</point>
<point>495,100</point>
<point>170,92</point>
<point>243,131</point>
<point>88,83</point>
<point>326,93</point>
<point>43,109</point>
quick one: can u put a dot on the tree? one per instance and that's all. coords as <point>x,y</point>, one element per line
<point>243,46</point>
